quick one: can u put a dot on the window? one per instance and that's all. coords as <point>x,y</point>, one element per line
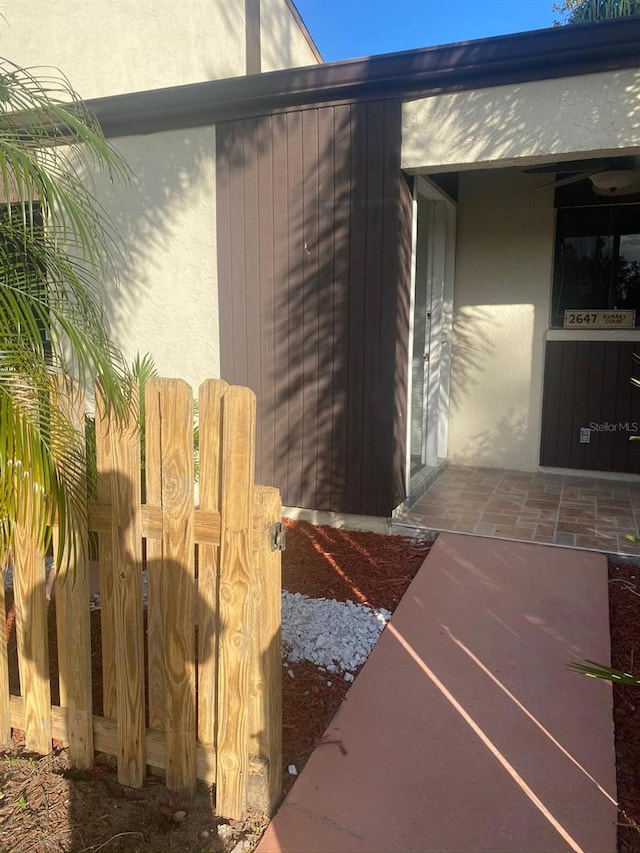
<point>597,262</point>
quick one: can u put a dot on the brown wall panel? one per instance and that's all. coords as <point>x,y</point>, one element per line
<point>357,294</point>
<point>312,343</point>
<point>275,470</point>
<point>253,61</point>
<point>312,226</point>
<point>592,454</point>
<point>249,214</point>
<point>269,229</point>
<point>333,321</point>
<point>587,384</point>
<point>373,320</point>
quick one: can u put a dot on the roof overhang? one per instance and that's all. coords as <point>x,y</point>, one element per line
<point>542,54</point>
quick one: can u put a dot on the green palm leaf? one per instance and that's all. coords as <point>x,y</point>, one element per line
<point>587,11</point>
<point>596,670</point>
<point>57,248</point>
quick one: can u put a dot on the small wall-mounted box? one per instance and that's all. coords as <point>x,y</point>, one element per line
<point>585,435</point>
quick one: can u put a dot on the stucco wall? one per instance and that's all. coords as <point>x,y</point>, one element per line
<point>501,314</point>
<point>283,44</point>
<point>126,46</point>
<point>523,123</point>
<point>167,301</point>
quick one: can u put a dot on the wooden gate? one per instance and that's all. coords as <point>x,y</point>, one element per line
<point>195,687</point>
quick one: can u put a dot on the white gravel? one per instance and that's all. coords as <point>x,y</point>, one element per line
<point>335,635</point>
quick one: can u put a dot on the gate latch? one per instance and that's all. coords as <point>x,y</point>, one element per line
<point>278,536</point>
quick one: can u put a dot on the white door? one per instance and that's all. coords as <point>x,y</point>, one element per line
<point>430,333</point>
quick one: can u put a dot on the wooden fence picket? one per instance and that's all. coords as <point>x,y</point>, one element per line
<point>178,581</point>
<point>265,720</point>
<point>155,604</point>
<point>234,608</point>
<point>72,614</point>
<point>61,620</point>
<point>32,633</point>
<point>210,412</point>
<point>127,601</point>
<point>104,475</point>
<point>5,704</point>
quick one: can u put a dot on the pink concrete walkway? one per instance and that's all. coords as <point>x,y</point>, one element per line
<point>465,731</point>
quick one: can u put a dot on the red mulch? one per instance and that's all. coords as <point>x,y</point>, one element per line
<point>324,562</point>
<point>68,812</point>
<point>624,612</point>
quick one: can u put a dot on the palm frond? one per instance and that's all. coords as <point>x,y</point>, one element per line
<point>596,670</point>
<point>588,11</point>
<point>57,247</point>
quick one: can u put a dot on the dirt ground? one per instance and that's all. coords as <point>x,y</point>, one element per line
<point>47,807</point>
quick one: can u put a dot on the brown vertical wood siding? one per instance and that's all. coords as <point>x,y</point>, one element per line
<point>253,53</point>
<point>589,382</point>
<point>314,231</point>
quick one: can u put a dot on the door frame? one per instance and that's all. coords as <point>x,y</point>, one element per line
<point>441,265</point>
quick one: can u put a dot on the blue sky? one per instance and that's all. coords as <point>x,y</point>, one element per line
<point>344,29</point>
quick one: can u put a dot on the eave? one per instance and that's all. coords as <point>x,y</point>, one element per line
<point>538,55</point>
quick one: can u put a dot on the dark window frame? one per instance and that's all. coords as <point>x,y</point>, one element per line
<point>604,223</point>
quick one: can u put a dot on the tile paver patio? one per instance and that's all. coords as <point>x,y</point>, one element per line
<point>579,512</point>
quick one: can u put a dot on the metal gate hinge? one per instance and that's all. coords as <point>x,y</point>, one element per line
<point>278,536</point>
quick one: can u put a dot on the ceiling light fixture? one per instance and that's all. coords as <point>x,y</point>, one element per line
<point>614,182</point>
